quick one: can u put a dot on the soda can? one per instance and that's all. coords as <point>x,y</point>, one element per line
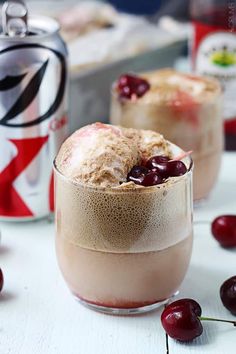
<point>33,111</point>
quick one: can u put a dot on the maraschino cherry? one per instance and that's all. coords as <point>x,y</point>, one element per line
<point>130,86</point>
<point>223,228</point>
<point>182,320</point>
<point>156,161</point>
<point>166,167</point>
<point>176,168</point>
<point>152,179</point>
<point>1,280</point>
<point>156,170</point>
<point>137,174</point>
<point>143,176</point>
<point>159,164</point>
<point>228,294</point>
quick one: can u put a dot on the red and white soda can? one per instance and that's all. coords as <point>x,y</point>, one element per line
<point>33,111</point>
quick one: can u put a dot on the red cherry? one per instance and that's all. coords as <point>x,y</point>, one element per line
<point>156,169</point>
<point>228,294</point>
<point>1,280</point>
<point>141,175</point>
<point>129,85</point>
<point>137,174</point>
<point>159,164</point>
<point>181,320</point>
<point>151,179</point>
<point>176,168</point>
<point>165,167</point>
<point>223,229</point>
<point>137,171</point>
<point>193,304</point>
<point>155,161</point>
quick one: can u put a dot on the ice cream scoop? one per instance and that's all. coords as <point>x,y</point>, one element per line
<point>101,154</point>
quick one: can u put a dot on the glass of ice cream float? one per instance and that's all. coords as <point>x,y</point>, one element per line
<point>186,109</point>
<point>123,217</point>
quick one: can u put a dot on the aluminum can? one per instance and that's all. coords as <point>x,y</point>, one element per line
<point>33,111</point>
<point>213,50</point>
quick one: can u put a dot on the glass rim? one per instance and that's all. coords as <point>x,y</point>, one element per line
<point>218,93</point>
<point>118,189</point>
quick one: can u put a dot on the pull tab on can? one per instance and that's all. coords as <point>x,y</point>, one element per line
<point>14,18</point>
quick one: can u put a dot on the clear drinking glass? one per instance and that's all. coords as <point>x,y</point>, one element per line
<point>191,123</point>
<point>124,251</point>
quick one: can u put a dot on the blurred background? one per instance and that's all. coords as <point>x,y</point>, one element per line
<point>105,39</point>
<point>108,38</point>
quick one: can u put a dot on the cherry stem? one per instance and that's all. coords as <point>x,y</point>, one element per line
<point>217,320</point>
<point>182,155</point>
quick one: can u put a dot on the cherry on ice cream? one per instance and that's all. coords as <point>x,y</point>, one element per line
<point>159,164</point>
<point>151,179</point>
<point>156,170</point>
<point>137,174</point>
<point>130,86</point>
<point>176,168</point>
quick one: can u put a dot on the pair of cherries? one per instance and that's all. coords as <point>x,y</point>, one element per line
<point>182,318</point>
<point>156,170</point>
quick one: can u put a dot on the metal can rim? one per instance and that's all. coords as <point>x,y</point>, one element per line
<point>47,26</point>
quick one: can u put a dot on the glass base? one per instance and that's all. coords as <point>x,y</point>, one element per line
<point>125,311</point>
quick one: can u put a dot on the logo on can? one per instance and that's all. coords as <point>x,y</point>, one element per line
<point>29,93</point>
<point>31,103</point>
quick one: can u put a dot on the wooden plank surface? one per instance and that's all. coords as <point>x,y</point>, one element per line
<point>39,316</point>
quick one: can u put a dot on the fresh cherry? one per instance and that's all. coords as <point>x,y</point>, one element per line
<point>137,174</point>
<point>165,167</point>
<point>130,85</point>
<point>182,320</point>
<point>1,280</point>
<point>228,294</point>
<point>137,171</point>
<point>159,164</point>
<point>151,179</point>
<point>143,176</point>
<point>223,229</point>
<point>155,161</point>
<point>176,168</point>
<point>156,170</point>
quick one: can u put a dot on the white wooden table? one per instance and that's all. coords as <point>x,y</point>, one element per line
<point>39,316</point>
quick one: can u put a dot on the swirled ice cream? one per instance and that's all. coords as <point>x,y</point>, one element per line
<point>102,155</point>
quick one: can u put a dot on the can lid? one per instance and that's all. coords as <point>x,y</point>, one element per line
<point>15,18</point>
<point>17,24</point>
